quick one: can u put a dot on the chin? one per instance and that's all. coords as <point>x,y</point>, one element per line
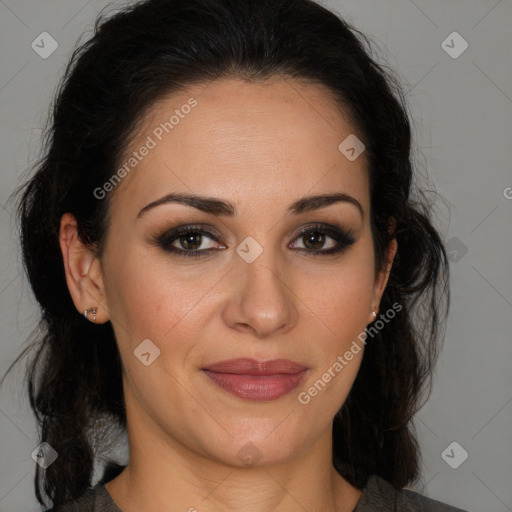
<point>256,443</point>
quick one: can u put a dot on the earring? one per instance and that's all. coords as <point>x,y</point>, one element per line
<point>374,314</point>
<point>93,311</point>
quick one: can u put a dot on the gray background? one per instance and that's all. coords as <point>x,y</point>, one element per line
<point>462,117</point>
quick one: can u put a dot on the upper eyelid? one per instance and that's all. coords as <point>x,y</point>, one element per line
<point>176,232</point>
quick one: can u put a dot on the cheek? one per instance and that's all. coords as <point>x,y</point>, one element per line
<point>147,299</point>
<point>341,296</point>
<point>339,309</point>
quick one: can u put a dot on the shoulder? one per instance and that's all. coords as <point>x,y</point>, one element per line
<point>379,494</point>
<point>94,499</point>
<point>86,503</point>
<point>415,501</point>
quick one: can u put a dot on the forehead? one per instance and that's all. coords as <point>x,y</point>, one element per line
<point>256,142</point>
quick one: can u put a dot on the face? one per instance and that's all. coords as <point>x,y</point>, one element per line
<point>246,279</point>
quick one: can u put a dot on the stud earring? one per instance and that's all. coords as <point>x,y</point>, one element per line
<point>374,314</point>
<point>93,311</point>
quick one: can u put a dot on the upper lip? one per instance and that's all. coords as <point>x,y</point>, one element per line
<point>246,366</point>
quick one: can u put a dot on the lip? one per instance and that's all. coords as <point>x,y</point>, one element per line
<point>259,381</point>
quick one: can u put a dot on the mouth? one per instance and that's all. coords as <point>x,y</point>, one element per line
<point>259,381</point>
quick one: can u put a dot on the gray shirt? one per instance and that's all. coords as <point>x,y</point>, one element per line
<point>377,495</point>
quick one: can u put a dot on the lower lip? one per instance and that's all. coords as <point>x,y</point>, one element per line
<point>259,388</point>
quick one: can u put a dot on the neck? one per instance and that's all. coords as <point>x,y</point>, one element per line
<point>163,474</point>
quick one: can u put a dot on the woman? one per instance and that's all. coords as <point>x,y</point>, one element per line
<point>224,243</point>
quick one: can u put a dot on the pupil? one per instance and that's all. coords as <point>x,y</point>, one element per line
<point>187,241</point>
<point>310,240</point>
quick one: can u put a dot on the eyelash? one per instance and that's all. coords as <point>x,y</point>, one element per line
<point>344,239</point>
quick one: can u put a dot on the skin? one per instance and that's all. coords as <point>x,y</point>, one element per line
<point>261,146</point>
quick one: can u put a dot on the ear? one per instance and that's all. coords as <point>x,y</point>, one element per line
<point>83,271</point>
<point>381,279</point>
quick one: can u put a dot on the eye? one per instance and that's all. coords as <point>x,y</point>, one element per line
<point>188,241</point>
<point>314,238</point>
<point>196,241</point>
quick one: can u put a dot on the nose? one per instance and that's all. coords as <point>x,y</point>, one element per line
<point>261,299</point>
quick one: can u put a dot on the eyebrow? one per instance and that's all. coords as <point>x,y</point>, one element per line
<point>219,207</point>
